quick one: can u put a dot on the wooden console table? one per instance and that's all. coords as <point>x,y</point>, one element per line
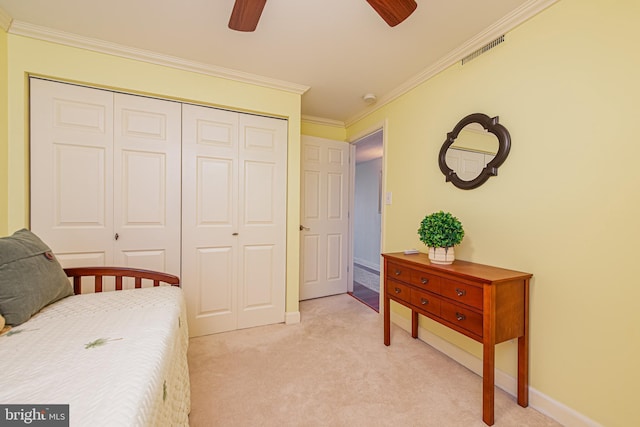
<point>487,304</point>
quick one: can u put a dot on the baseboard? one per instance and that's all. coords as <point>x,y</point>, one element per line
<point>292,317</point>
<point>368,264</point>
<point>539,401</point>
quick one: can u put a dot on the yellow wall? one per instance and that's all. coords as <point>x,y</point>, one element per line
<point>29,56</point>
<point>337,133</point>
<point>4,155</point>
<point>565,204</point>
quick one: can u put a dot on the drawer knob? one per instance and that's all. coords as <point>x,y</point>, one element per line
<point>397,290</point>
<point>461,292</point>
<point>424,280</point>
<point>460,316</point>
<point>398,272</point>
<point>424,301</point>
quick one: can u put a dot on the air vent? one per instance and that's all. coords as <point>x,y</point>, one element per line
<point>483,49</point>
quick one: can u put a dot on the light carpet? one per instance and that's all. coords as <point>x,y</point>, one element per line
<point>333,369</point>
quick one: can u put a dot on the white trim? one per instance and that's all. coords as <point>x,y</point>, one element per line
<point>292,318</point>
<point>351,238</point>
<point>68,39</point>
<point>369,131</point>
<point>383,126</point>
<point>5,20</point>
<point>537,400</point>
<point>507,23</point>
<point>322,121</point>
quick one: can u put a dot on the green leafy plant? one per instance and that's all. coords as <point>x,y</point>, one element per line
<point>440,230</point>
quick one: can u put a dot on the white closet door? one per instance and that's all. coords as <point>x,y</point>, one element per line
<point>234,215</point>
<point>262,226</point>
<point>147,205</point>
<point>95,174</point>
<point>209,220</point>
<point>71,171</point>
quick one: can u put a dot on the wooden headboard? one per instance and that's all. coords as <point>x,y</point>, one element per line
<point>118,272</point>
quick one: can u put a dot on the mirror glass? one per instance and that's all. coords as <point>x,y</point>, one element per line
<point>472,150</point>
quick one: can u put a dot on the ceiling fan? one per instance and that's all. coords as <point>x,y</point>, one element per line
<point>246,13</point>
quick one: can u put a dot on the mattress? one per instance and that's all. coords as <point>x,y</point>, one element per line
<point>117,358</point>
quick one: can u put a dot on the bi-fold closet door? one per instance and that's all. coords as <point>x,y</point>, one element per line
<point>199,192</point>
<point>234,219</point>
<point>105,176</point>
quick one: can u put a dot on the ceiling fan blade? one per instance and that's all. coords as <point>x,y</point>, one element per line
<point>246,14</point>
<point>393,11</point>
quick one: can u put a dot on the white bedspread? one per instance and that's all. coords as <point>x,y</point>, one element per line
<point>117,358</point>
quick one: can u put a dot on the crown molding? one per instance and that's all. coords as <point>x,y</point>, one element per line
<point>322,121</point>
<point>507,23</point>
<point>5,20</point>
<point>47,34</point>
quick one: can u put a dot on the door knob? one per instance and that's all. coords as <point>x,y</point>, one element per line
<point>302,227</point>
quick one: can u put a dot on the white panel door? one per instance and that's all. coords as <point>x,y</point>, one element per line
<point>105,164</point>
<point>324,216</point>
<point>147,204</point>
<point>234,215</point>
<point>71,171</point>
<point>262,220</point>
<point>210,218</point>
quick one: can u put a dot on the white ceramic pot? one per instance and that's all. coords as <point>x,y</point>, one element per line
<point>442,255</point>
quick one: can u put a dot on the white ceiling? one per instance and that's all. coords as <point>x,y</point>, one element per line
<point>340,49</point>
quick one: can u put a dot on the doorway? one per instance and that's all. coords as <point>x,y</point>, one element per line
<point>367,219</point>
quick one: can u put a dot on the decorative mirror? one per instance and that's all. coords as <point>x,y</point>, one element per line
<point>474,150</point>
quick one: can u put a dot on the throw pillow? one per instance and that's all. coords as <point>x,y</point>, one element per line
<point>30,277</point>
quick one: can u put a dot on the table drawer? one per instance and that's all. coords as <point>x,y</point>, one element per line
<point>398,272</point>
<point>425,301</point>
<point>399,291</point>
<point>463,317</point>
<point>461,292</point>
<point>425,281</point>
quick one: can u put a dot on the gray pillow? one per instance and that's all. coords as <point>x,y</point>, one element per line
<point>30,277</point>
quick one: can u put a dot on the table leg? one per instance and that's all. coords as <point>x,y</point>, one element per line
<point>488,383</point>
<point>523,372</point>
<point>489,353</point>
<point>414,324</point>
<point>523,354</point>
<point>387,320</point>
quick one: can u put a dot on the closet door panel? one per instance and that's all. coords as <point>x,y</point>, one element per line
<point>259,193</point>
<point>215,193</point>
<point>216,300</point>
<point>262,231</point>
<point>71,164</point>
<point>147,202</point>
<point>257,288</point>
<point>79,170</point>
<point>209,220</point>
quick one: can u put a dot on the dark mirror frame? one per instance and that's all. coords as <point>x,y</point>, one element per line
<point>504,145</point>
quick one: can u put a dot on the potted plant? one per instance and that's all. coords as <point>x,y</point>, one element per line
<point>440,231</point>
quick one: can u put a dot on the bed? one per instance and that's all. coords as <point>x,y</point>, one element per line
<point>117,358</point>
